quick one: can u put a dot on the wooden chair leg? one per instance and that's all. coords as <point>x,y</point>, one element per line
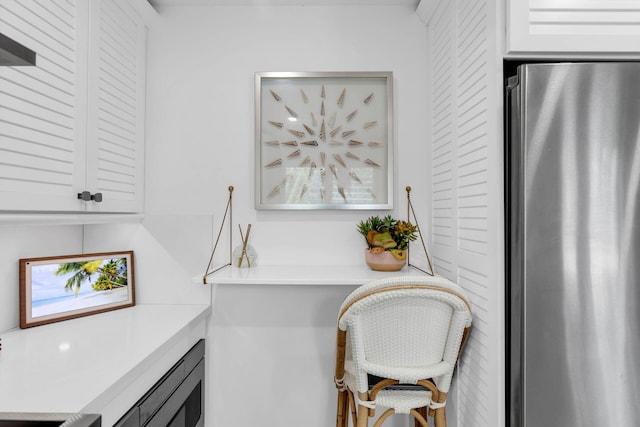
<point>345,413</point>
<point>419,417</point>
<point>341,420</point>
<point>440,417</point>
<point>363,411</point>
<point>352,407</point>
<point>423,413</point>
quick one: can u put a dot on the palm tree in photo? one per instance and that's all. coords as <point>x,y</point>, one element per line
<point>113,274</point>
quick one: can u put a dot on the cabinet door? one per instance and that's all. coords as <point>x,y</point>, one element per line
<point>115,129</point>
<point>42,109</point>
<point>75,121</point>
<point>572,26</point>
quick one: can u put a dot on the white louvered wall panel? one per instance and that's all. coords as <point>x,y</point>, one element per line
<point>37,117</point>
<point>117,101</point>
<point>471,112</point>
<point>443,143</point>
<point>467,188</point>
<point>475,399</point>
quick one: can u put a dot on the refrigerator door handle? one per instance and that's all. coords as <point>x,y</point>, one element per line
<point>513,274</point>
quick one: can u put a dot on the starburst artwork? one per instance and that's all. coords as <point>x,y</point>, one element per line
<point>324,140</point>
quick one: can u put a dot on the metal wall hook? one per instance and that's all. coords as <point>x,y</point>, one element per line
<point>410,213</point>
<point>229,210</point>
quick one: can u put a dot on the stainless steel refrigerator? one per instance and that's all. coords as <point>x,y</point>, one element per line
<point>573,245</point>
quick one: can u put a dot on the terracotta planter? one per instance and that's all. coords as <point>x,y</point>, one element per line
<point>383,261</point>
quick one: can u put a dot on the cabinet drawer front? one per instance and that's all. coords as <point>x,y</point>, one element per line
<point>130,419</point>
<point>161,393</point>
<point>194,355</point>
<point>174,411</point>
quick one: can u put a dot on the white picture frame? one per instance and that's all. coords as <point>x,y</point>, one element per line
<point>324,140</point>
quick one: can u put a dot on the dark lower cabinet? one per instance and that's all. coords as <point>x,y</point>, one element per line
<point>176,400</point>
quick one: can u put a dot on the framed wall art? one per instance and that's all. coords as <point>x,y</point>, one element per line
<point>324,140</point>
<point>65,287</point>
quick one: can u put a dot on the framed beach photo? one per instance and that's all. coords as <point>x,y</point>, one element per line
<point>65,287</point>
<point>324,140</point>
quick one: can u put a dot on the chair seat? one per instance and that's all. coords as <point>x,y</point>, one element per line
<point>406,374</point>
<point>402,401</point>
<point>401,397</point>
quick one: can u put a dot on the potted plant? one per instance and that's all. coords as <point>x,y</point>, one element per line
<point>387,242</point>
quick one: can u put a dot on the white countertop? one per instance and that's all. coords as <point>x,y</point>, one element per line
<point>301,275</point>
<point>95,364</point>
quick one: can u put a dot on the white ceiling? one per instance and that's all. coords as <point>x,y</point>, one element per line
<point>412,3</point>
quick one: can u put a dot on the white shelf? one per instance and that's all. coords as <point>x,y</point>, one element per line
<point>334,275</point>
<point>64,218</point>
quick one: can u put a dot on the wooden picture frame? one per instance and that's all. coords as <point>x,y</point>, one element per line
<point>58,288</point>
<point>324,140</point>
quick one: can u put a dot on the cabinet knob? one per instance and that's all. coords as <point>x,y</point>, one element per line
<point>87,196</point>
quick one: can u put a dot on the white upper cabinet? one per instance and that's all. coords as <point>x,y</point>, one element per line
<point>116,96</point>
<point>74,123</point>
<point>607,26</point>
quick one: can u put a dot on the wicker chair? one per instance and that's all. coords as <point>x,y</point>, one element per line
<point>407,331</point>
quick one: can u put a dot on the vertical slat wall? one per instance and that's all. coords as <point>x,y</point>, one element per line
<point>443,138</point>
<point>116,109</point>
<point>476,400</point>
<point>467,191</point>
<point>37,104</point>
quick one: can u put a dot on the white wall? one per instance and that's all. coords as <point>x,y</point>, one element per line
<point>201,112</point>
<point>163,266</point>
<point>271,349</point>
